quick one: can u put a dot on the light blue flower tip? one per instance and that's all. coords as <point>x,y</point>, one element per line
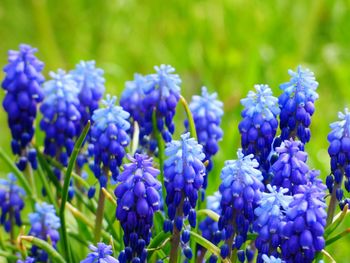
<point>111,114</point>
<point>166,80</point>
<point>213,201</point>
<point>101,253</point>
<point>302,85</point>
<point>243,170</point>
<point>88,76</point>
<point>261,102</point>
<point>45,214</point>
<point>271,259</point>
<point>340,128</point>
<point>206,103</point>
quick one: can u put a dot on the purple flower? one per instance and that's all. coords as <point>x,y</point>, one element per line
<point>138,198</point>
<point>241,191</point>
<point>259,125</point>
<point>100,254</point>
<point>11,202</point>
<point>108,139</point>
<point>22,82</point>
<point>297,104</point>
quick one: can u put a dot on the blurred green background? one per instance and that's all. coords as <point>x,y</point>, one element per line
<point>227,46</point>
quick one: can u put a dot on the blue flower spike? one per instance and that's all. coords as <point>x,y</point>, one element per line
<point>270,213</point>
<point>339,149</point>
<point>241,191</point>
<point>271,259</point>
<point>22,83</point>
<point>100,254</point>
<point>207,113</point>
<point>297,104</point>
<point>44,223</point>
<point>11,203</point>
<point>108,139</point>
<point>138,199</point>
<point>259,125</point>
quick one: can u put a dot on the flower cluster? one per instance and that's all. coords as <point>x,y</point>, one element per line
<point>183,172</point>
<point>259,125</point>
<point>270,213</point>
<point>297,104</point>
<point>138,198</point>
<point>290,169</point>
<point>339,151</point>
<point>22,83</point>
<point>91,87</point>
<point>108,140</point>
<point>207,113</point>
<point>61,117</point>
<point>44,225</point>
<point>157,92</point>
<point>99,254</point>
<point>11,202</point>
<point>303,229</point>
<point>241,191</point>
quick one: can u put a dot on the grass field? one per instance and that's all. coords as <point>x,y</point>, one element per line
<point>227,46</point>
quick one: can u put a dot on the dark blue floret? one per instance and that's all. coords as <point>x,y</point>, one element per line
<point>207,113</point>
<point>138,198</point>
<point>44,224</point>
<point>297,104</point>
<point>11,203</point>
<point>303,231</point>
<point>108,140</point>
<point>241,191</point>
<point>259,125</point>
<point>22,83</point>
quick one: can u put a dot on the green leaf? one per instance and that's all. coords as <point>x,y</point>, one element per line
<point>156,242</point>
<point>191,125</point>
<point>47,168</point>
<point>208,245</point>
<point>22,180</point>
<point>337,220</point>
<point>208,213</point>
<point>67,177</point>
<point>46,185</point>
<point>53,254</point>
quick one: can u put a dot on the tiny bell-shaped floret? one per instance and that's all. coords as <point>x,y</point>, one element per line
<point>101,253</point>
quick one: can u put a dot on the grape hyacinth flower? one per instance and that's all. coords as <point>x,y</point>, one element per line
<point>100,254</point>
<point>11,203</point>
<point>108,139</point>
<point>27,260</point>
<point>270,213</point>
<point>22,82</point>
<point>297,104</point>
<point>339,151</point>
<point>61,117</point>
<point>91,87</point>
<point>162,95</point>
<point>138,199</point>
<point>44,224</point>
<point>271,259</point>
<point>290,170</point>
<point>259,125</point>
<point>207,113</point>
<point>183,178</point>
<point>241,191</point>
<point>303,230</point>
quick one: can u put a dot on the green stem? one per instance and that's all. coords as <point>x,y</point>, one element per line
<point>337,220</point>
<point>191,124</point>
<point>337,237</point>
<point>29,173</point>
<point>332,204</point>
<point>161,155</point>
<point>53,254</point>
<point>46,185</point>
<point>99,216</point>
<point>209,213</point>
<point>324,252</point>
<point>8,255</point>
<point>135,138</point>
<point>67,177</point>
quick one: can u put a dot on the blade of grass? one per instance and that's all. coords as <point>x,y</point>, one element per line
<point>67,177</point>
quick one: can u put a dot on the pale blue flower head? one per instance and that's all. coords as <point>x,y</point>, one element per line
<point>111,114</point>
<point>206,103</point>
<point>302,86</point>
<point>261,102</point>
<point>271,259</point>
<point>340,128</point>
<point>45,214</point>
<point>10,185</point>
<point>61,87</point>
<point>272,203</point>
<point>136,87</point>
<point>100,254</point>
<point>165,80</point>
<point>213,201</point>
<point>185,150</point>
<point>88,76</point>
<point>243,171</point>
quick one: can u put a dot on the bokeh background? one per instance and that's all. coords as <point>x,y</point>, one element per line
<point>227,46</point>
